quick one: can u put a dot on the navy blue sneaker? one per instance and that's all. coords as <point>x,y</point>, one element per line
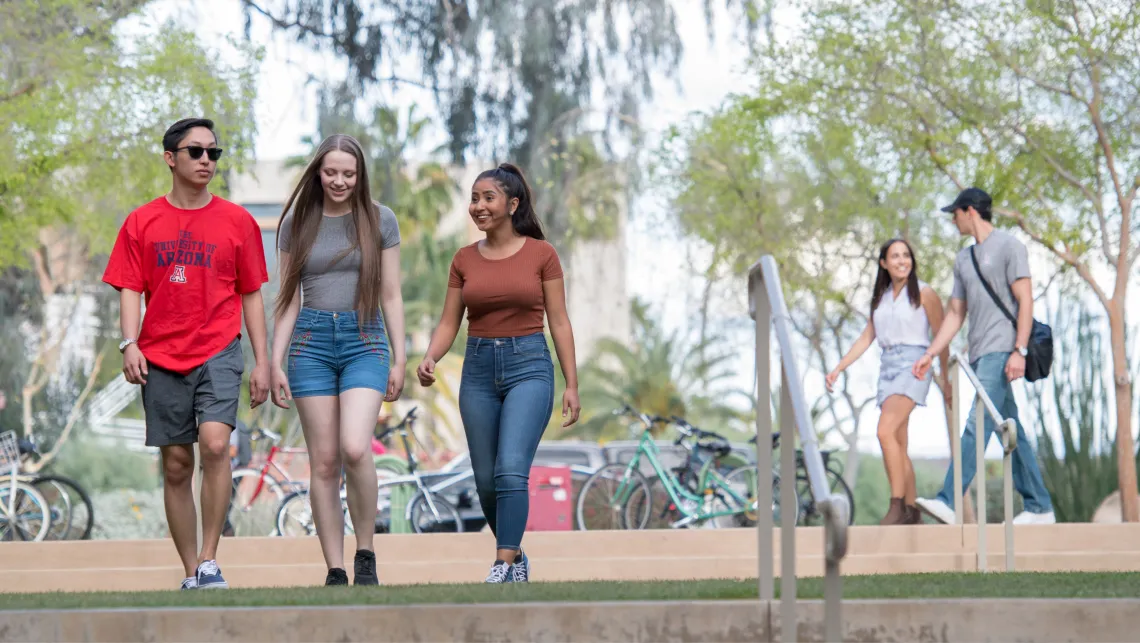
<point>210,577</point>
<point>520,570</point>
<point>190,582</point>
<point>500,572</point>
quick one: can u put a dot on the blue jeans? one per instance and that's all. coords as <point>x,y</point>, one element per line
<point>1026,473</point>
<point>505,399</point>
<point>331,353</point>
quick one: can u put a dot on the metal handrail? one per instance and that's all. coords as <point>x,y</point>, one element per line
<point>1008,430</point>
<point>768,309</point>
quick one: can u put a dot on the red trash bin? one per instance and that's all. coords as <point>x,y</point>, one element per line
<point>551,499</point>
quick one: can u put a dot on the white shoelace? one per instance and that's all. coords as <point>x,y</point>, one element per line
<point>208,568</point>
<point>498,573</point>
<point>520,572</point>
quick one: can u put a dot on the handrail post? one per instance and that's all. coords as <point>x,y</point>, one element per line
<point>787,499</point>
<point>956,441</point>
<point>980,478</point>
<point>983,405</point>
<point>762,315</point>
<point>796,422</point>
<point>1009,430</point>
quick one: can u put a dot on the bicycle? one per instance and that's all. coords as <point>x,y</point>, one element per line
<point>70,508</point>
<point>809,513</point>
<point>716,499</point>
<point>249,508</point>
<point>427,511</point>
<point>24,512</point>
<point>706,451</point>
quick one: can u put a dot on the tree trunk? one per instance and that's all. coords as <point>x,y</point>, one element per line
<point>1125,448</point>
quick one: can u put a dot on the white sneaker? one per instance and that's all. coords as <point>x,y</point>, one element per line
<point>1030,518</point>
<point>936,509</point>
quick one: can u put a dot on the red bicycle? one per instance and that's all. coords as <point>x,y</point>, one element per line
<point>257,492</point>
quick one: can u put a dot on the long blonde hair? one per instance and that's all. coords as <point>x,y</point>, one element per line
<point>306,203</point>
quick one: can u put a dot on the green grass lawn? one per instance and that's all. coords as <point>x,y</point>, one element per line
<point>958,585</point>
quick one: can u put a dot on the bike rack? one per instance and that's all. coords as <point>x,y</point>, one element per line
<point>768,309</point>
<point>983,405</point>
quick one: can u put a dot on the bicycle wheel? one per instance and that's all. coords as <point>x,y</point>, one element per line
<point>72,513</point>
<point>24,513</point>
<point>836,484</point>
<point>652,510</point>
<point>295,515</point>
<point>602,500</point>
<point>254,503</point>
<point>429,514</point>
<point>742,483</point>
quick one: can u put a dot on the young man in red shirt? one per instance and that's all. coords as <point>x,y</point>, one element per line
<point>200,263</point>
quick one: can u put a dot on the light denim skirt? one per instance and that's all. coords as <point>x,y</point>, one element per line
<point>896,376</point>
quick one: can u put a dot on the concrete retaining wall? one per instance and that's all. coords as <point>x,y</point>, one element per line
<point>921,620</point>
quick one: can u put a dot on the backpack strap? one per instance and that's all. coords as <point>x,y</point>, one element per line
<point>986,284</point>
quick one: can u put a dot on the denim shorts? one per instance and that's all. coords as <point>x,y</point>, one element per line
<point>330,354</point>
<point>896,378</point>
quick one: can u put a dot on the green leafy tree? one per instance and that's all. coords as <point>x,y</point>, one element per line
<point>553,86</point>
<point>84,111</point>
<point>1079,465</point>
<point>746,182</point>
<point>661,374</point>
<point>1035,101</point>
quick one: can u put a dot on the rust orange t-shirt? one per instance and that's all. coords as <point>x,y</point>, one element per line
<point>504,296</point>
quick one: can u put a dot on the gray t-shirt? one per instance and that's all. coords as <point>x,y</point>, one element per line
<point>332,286</point>
<point>1003,260</point>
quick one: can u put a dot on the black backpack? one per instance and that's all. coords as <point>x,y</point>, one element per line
<point>1040,358</point>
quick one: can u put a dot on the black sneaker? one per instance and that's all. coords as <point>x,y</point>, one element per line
<point>364,568</point>
<point>499,572</point>
<point>337,576</point>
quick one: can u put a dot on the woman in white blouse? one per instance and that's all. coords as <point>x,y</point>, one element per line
<point>904,313</point>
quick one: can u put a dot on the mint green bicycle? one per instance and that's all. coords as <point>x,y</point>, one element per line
<point>702,492</point>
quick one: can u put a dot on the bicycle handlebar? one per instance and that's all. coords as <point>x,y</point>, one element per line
<point>647,420</point>
<point>259,433</point>
<point>409,419</point>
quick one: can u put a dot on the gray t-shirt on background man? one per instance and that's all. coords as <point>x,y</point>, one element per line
<point>1003,260</point>
<point>328,286</point>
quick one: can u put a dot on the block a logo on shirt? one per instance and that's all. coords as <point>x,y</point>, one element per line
<point>184,252</point>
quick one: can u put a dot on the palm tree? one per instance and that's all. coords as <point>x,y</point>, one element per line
<point>661,374</point>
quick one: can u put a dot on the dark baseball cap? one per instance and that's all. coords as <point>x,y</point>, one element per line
<point>970,197</point>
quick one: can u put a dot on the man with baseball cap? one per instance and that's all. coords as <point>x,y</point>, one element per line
<point>997,347</point>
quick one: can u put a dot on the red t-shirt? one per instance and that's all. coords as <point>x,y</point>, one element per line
<point>192,266</point>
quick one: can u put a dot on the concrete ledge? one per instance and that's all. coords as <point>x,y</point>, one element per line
<point>920,620</point>
<point>568,556</point>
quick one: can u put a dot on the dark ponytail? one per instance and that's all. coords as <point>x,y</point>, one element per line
<point>511,179</point>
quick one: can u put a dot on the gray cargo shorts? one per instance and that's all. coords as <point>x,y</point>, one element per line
<point>175,404</point>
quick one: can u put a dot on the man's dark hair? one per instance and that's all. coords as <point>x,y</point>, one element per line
<point>985,211</point>
<point>176,132</point>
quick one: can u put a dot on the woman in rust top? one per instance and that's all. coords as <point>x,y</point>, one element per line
<point>506,282</point>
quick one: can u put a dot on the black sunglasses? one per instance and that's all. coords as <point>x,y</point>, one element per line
<point>195,152</point>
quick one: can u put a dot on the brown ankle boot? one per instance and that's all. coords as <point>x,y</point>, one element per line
<point>896,514</point>
<point>913,515</point>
